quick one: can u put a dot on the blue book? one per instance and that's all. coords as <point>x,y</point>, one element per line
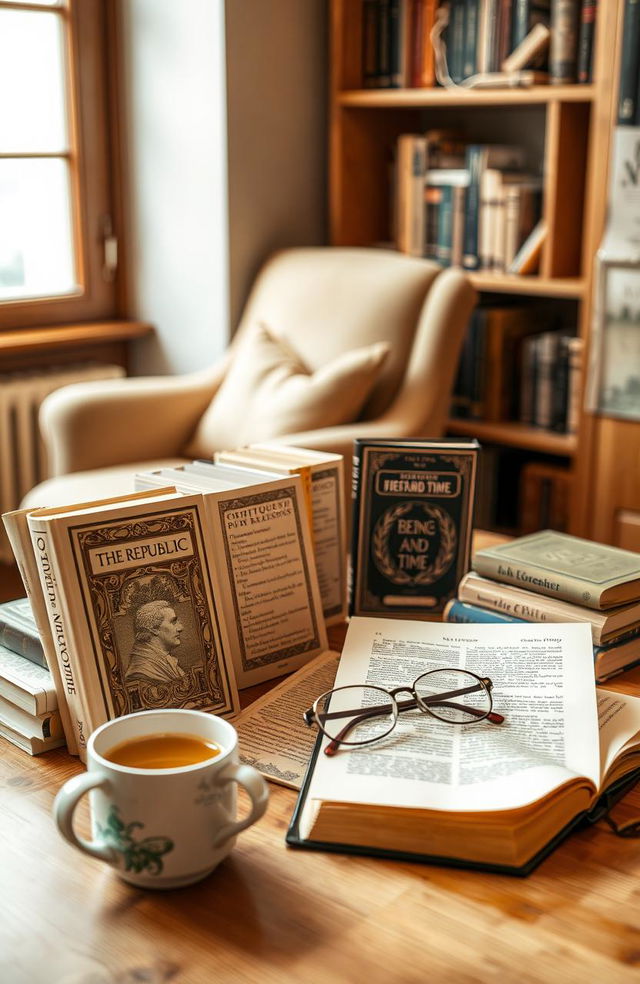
<point>609,660</point>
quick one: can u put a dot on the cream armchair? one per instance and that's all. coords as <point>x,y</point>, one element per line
<point>322,302</point>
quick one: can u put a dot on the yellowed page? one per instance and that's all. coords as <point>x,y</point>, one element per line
<point>619,717</point>
<point>273,736</point>
<point>543,685</point>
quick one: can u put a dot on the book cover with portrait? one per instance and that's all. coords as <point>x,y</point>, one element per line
<point>412,524</point>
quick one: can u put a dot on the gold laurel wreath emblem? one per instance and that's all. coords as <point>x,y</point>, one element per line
<point>380,545</point>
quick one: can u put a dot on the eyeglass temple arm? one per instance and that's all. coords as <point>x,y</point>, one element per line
<point>405,705</point>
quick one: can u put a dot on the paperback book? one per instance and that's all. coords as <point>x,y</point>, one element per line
<point>412,524</point>
<point>19,632</point>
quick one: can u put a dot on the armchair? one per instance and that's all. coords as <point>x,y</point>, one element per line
<point>321,302</point>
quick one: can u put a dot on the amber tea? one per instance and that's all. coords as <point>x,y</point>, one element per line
<point>162,751</point>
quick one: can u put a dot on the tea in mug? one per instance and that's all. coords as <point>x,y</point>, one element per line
<point>162,751</point>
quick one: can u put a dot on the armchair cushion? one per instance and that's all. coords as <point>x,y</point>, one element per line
<point>269,392</point>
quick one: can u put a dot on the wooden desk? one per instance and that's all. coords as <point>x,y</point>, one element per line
<point>273,915</point>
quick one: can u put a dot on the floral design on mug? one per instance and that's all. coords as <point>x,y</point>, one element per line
<point>138,855</point>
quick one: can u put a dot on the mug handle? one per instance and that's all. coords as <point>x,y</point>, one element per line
<point>251,780</point>
<point>64,807</point>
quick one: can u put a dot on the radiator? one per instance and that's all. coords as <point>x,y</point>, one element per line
<point>23,459</point>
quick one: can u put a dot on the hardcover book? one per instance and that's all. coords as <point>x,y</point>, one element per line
<point>563,566</point>
<point>19,632</point>
<point>132,594</point>
<point>412,524</point>
<point>483,795</point>
<point>532,607</point>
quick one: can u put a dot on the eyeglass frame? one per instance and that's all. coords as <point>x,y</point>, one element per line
<point>311,715</point>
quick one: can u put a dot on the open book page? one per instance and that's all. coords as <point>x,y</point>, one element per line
<point>543,683</point>
<point>273,736</point>
<point>619,719</point>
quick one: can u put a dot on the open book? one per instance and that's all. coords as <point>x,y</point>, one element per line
<point>479,795</point>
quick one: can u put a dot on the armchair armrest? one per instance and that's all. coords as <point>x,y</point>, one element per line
<point>111,422</point>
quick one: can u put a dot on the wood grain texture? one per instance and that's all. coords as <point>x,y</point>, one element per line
<point>272,915</point>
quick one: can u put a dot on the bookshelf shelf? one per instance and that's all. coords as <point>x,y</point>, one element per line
<point>516,436</point>
<point>570,287</point>
<point>398,98</point>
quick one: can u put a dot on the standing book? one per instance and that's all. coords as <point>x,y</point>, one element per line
<point>412,524</point>
<point>491,796</point>
<point>130,588</point>
<point>263,564</point>
<point>563,566</point>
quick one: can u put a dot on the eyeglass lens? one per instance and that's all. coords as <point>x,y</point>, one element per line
<point>439,692</point>
<point>344,714</point>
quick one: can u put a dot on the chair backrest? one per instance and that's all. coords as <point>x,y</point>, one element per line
<point>327,300</point>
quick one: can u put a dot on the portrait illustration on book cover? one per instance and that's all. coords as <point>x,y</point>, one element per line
<point>154,616</point>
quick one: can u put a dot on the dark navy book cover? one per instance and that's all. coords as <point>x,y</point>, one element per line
<point>413,521</point>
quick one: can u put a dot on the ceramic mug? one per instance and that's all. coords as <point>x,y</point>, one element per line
<point>162,828</point>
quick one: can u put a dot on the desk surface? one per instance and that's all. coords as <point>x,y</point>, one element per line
<point>272,914</point>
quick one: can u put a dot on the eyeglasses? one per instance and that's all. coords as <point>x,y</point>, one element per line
<point>360,715</point>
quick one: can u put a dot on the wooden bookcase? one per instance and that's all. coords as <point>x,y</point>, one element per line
<point>566,128</point>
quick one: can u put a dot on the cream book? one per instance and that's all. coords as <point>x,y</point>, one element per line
<point>322,474</point>
<point>136,602</point>
<point>17,527</point>
<point>265,573</point>
<point>26,684</point>
<point>485,795</point>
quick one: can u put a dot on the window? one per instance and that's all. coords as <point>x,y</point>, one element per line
<point>55,206</point>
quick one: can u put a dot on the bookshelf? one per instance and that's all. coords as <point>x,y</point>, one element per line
<point>565,131</point>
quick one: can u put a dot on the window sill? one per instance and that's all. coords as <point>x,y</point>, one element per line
<point>26,341</point>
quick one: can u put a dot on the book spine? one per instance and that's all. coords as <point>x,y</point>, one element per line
<point>369,43</point>
<point>25,645</point>
<point>629,64</point>
<point>469,60</point>
<point>415,43</point>
<point>563,48</point>
<point>455,40</point>
<point>17,527</point>
<point>395,43</point>
<point>560,391</point>
<point>383,71</point>
<point>585,40</point>
<point>355,529</point>
<point>519,22</point>
<point>427,77</point>
<point>43,552</point>
<point>532,578</point>
<point>526,605</point>
<point>463,613</point>
<point>432,201</point>
<point>546,353</point>
<point>474,166</point>
<point>574,384</point>
<point>445,227</point>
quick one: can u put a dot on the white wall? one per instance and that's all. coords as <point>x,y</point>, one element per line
<point>204,211</point>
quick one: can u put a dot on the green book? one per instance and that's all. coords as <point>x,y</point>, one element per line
<point>567,567</point>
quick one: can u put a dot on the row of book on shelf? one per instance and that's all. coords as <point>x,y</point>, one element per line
<point>217,575</point>
<point>465,204</point>
<point>510,370</point>
<point>481,36</point>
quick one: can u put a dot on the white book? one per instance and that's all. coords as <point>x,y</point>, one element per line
<point>142,622</point>
<point>26,684</point>
<point>266,578</point>
<point>46,725</point>
<point>34,746</point>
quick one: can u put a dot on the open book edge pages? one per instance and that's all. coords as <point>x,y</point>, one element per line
<point>485,795</point>
<point>17,528</point>
<point>264,566</point>
<point>272,734</point>
<point>100,565</point>
<point>322,475</point>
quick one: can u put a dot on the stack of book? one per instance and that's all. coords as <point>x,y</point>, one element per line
<point>480,37</point>
<point>465,204</point>
<point>554,577</point>
<point>29,713</point>
<point>198,584</point>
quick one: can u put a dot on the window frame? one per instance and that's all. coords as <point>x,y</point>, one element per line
<point>89,44</point>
